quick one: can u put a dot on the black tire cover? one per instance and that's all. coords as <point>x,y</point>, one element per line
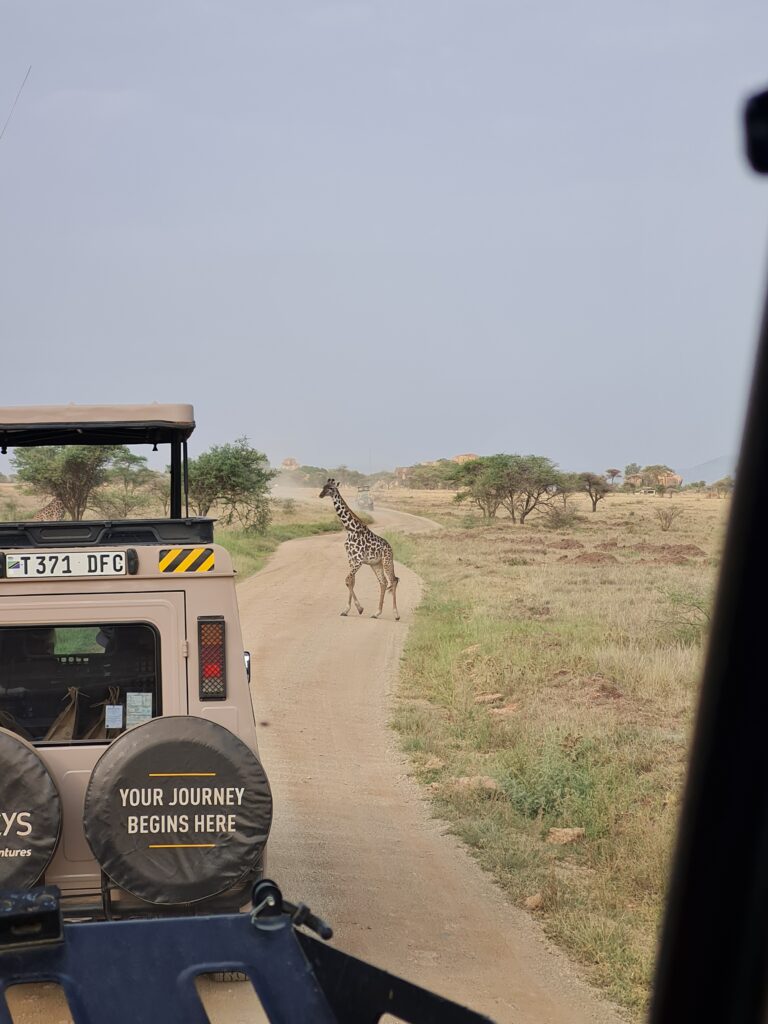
<point>30,813</point>
<point>178,809</point>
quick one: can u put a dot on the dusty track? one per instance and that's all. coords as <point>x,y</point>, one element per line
<point>352,835</point>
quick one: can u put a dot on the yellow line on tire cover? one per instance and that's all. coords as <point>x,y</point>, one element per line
<point>194,553</point>
<point>173,553</point>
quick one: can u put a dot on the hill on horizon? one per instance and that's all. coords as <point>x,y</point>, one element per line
<point>710,471</point>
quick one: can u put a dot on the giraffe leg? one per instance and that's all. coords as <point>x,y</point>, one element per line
<point>389,571</point>
<point>350,581</point>
<point>378,570</point>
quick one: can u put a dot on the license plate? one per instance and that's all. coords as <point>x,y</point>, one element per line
<point>65,564</point>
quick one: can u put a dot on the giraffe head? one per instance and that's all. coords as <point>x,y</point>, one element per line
<point>330,487</point>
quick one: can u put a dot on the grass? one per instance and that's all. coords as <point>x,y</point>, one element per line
<point>290,519</point>
<point>250,551</point>
<point>562,668</point>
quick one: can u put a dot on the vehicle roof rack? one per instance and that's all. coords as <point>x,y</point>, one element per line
<point>37,426</point>
<point>90,533</point>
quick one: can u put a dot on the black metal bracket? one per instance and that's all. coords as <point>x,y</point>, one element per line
<point>268,903</point>
<point>756,132</point>
<point>31,918</point>
<point>297,978</point>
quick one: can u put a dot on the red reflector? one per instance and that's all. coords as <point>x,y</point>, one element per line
<point>211,649</point>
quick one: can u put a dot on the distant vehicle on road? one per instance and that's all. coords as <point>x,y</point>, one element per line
<point>364,499</point>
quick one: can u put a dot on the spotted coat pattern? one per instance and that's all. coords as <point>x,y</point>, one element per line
<point>50,513</point>
<point>364,547</point>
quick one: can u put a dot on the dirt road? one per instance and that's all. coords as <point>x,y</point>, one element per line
<point>352,835</point>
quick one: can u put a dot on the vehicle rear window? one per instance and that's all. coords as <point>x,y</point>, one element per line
<point>68,684</point>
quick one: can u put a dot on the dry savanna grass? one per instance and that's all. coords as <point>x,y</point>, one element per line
<point>549,683</point>
<point>291,518</point>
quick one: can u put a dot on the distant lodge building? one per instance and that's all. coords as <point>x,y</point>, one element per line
<point>289,465</point>
<point>662,480</point>
<point>669,480</point>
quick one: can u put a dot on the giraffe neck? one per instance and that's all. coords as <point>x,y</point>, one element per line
<point>348,518</point>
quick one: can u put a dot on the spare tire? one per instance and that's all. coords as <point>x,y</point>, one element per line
<point>177,810</point>
<point>30,813</point>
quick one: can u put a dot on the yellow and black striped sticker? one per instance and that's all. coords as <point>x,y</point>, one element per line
<point>186,560</point>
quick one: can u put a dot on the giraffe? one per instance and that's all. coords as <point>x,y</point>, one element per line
<point>49,513</point>
<point>364,547</point>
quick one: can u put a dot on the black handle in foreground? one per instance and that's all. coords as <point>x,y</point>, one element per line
<point>714,950</point>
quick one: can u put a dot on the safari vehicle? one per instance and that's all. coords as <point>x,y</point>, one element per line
<point>364,499</point>
<point>130,784</point>
<point>129,768</point>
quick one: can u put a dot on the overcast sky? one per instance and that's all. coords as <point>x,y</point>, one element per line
<point>385,231</point>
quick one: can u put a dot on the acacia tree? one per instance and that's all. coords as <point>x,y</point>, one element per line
<point>530,481</point>
<point>236,478</point>
<point>125,491</point>
<point>347,477</point>
<point>723,486</point>
<point>311,476</point>
<point>432,477</point>
<point>612,474</point>
<point>566,485</point>
<point>651,475</point>
<point>596,487</point>
<point>158,489</point>
<point>480,479</point>
<point>518,483</point>
<point>66,472</point>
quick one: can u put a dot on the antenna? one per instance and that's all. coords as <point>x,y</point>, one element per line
<point>13,105</point>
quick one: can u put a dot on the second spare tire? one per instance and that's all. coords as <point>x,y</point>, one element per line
<point>30,813</point>
<point>177,810</point>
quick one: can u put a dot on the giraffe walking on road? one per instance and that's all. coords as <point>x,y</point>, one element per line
<point>364,547</point>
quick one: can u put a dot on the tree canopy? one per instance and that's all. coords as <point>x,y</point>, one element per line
<point>125,489</point>
<point>652,473</point>
<point>432,476</point>
<point>596,487</point>
<point>69,473</point>
<point>518,483</point>
<point>724,485</point>
<point>235,477</point>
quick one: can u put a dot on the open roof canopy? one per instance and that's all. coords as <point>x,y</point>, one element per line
<point>37,425</point>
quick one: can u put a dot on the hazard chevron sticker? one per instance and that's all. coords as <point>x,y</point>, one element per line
<point>186,560</point>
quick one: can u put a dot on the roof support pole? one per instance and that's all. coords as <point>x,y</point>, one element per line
<point>175,479</point>
<point>714,948</point>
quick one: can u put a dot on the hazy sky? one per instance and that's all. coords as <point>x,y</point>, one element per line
<point>385,231</point>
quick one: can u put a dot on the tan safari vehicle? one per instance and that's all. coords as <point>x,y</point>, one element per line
<point>129,769</point>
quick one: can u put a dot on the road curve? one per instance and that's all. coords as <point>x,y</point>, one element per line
<point>352,834</point>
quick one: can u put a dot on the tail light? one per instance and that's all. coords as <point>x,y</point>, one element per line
<point>213,662</point>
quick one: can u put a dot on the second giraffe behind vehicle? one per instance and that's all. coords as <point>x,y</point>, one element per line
<point>364,547</point>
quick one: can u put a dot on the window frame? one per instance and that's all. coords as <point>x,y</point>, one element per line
<point>98,624</point>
